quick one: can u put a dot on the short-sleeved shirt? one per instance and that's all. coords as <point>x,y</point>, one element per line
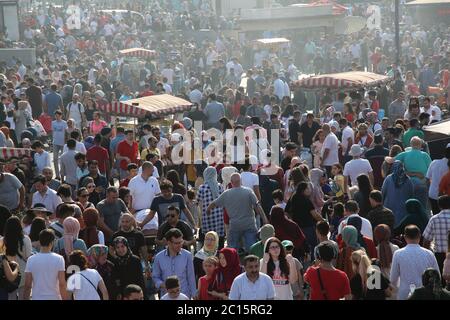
<point>437,230</point>
<point>45,268</point>
<point>356,167</point>
<point>300,209</point>
<point>335,283</point>
<point>244,289</point>
<point>59,129</point>
<point>143,192</point>
<point>101,155</point>
<point>161,204</point>
<point>111,212</point>
<point>410,134</point>
<point>239,203</point>
<point>415,161</point>
<point>89,280</point>
<point>53,101</point>
<point>332,143</point>
<point>131,152</point>
<point>9,191</point>
<point>181,225</point>
<point>308,133</point>
<point>136,239</point>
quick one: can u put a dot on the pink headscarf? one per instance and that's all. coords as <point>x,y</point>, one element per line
<point>71,230</point>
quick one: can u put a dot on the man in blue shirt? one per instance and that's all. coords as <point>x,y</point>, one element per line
<point>53,101</point>
<point>214,111</point>
<point>175,261</point>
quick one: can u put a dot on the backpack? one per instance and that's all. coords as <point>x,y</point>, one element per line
<point>4,282</point>
<point>78,105</point>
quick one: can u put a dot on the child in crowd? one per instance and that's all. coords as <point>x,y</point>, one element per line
<point>338,184</point>
<point>278,198</point>
<point>132,170</point>
<point>82,168</point>
<point>316,147</point>
<point>297,287</point>
<point>173,290</point>
<point>192,205</point>
<point>210,266</point>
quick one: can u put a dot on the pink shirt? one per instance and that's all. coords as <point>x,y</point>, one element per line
<point>96,128</point>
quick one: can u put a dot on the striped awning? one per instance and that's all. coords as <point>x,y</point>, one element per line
<point>11,154</point>
<point>156,106</point>
<point>138,53</point>
<point>344,80</point>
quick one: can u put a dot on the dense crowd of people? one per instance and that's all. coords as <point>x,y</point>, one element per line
<point>95,213</point>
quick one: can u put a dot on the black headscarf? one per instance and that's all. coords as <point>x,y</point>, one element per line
<point>122,260</point>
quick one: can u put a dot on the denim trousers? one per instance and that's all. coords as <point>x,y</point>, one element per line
<point>249,237</point>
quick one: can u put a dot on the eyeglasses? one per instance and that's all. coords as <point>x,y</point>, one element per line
<point>274,247</point>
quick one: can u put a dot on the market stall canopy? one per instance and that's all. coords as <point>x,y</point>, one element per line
<point>138,53</point>
<point>272,41</point>
<point>344,80</point>
<point>421,2</point>
<point>121,11</point>
<point>437,131</point>
<point>156,106</point>
<point>338,9</point>
<point>11,154</point>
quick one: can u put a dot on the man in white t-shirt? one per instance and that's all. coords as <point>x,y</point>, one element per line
<point>437,169</point>
<point>348,138</point>
<point>168,73</point>
<point>356,167</point>
<point>330,149</point>
<point>75,111</point>
<point>250,179</point>
<point>144,187</point>
<point>45,272</point>
<point>351,210</point>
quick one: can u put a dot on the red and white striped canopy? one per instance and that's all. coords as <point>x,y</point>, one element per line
<point>344,80</point>
<point>8,154</point>
<point>156,106</point>
<point>138,53</point>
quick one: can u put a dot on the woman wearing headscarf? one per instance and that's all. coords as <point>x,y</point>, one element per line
<point>127,266</point>
<point>98,259</point>
<point>415,214</point>
<point>385,248</point>
<point>350,244</point>
<point>286,229</point>
<point>209,249</point>
<point>69,242</point>
<point>432,287</point>
<point>229,269</point>
<point>396,190</point>
<point>364,241</point>
<point>209,191</point>
<point>317,195</point>
<point>90,234</point>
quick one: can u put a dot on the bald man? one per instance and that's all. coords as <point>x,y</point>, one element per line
<point>240,203</point>
<point>416,164</point>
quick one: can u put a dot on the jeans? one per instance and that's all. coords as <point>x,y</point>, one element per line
<point>56,154</point>
<point>249,236</point>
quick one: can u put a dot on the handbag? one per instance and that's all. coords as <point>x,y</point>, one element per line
<point>4,282</point>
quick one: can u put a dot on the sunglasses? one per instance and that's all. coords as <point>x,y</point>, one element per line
<point>91,187</point>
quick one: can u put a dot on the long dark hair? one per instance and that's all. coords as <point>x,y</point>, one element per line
<point>299,192</point>
<point>5,214</point>
<point>284,266</point>
<point>173,177</point>
<point>365,188</point>
<point>37,226</point>
<point>13,238</point>
<point>226,124</point>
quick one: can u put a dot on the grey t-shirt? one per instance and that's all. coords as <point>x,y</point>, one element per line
<point>214,111</point>
<point>9,191</point>
<point>239,203</point>
<point>397,110</point>
<point>111,212</point>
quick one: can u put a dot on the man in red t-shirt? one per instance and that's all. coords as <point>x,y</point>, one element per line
<point>147,91</point>
<point>97,152</point>
<point>327,282</point>
<point>127,152</point>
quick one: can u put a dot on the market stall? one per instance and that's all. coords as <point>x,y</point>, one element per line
<point>343,81</point>
<point>138,53</point>
<point>156,106</point>
<point>437,136</point>
<point>14,154</point>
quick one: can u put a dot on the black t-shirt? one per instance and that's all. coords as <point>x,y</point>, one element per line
<point>300,210</point>
<point>19,175</point>
<point>161,204</point>
<point>285,163</point>
<point>308,133</point>
<point>135,238</point>
<point>181,225</point>
<point>294,129</point>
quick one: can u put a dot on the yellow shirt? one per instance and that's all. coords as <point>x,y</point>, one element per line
<point>147,151</point>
